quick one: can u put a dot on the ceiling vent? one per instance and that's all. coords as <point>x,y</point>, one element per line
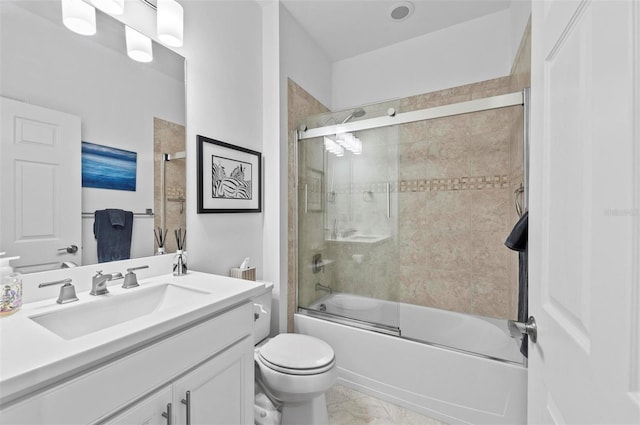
<point>401,11</point>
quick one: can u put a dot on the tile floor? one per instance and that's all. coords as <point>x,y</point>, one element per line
<point>350,407</point>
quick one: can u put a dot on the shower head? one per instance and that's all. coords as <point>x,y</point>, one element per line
<point>355,114</point>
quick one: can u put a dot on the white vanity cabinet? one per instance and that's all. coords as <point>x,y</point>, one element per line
<point>148,411</point>
<point>214,393</point>
<point>211,358</point>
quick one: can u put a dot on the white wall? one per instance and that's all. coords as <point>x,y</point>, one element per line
<point>519,12</point>
<point>473,51</point>
<point>116,98</point>
<point>303,61</point>
<point>223,48</point>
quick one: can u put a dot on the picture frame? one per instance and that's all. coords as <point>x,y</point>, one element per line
<point>229,178</point>
<point>106,167</point>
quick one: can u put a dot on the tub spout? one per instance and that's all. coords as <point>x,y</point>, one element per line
<point>321,287</point>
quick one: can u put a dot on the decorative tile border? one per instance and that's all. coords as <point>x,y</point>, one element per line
<point>419,185</point>
<point>456,183</point>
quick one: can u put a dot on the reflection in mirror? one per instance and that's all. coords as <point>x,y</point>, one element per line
<point>120,103</point>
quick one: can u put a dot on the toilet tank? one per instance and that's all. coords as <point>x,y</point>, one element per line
<point>262,314</point>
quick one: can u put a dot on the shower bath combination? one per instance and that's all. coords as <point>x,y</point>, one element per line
<point>426,210</point>
<point>165,158</point>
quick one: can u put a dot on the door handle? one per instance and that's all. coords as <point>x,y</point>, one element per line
<point>521,328</point>
<point>187,402</point>
<point>71,249</point>
<point>167,414</point>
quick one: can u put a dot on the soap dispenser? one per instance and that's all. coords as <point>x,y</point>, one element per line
<point>10,287</point>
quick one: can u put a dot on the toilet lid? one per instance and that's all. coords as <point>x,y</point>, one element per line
<point>297,352</point>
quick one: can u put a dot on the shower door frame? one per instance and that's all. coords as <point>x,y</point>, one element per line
<point>520,98</point>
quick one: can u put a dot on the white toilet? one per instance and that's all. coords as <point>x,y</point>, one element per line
<point>295,369</point>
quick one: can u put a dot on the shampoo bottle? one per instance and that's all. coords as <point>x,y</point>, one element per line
<point>10,287</point>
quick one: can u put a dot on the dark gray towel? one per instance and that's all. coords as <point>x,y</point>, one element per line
<point>114,241</point>
<point>117,217</point>
<point>518,240</point>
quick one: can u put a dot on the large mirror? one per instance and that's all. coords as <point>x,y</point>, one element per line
<point>122,105</point>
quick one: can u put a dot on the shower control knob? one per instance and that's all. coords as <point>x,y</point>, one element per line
<point>521,328</point>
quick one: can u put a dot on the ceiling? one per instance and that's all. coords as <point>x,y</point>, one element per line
<point>346,28</point>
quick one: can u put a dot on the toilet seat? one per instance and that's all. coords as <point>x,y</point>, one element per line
<point>297,354</point>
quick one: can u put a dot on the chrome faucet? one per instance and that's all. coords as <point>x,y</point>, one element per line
<point>67,290</point>
<point>99,283</point>
<point>321,287</point>
<point>130,279</point>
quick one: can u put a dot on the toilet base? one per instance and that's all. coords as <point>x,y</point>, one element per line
<point>311,412</point>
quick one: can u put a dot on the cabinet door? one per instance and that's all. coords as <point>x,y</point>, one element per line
<point>148,412</point>
<point>220,391</point>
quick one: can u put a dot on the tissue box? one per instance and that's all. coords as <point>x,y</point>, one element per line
<point>246,274</point>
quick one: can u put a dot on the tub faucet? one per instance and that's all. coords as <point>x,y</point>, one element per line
<point>321,287</point>
<point>99,283</point>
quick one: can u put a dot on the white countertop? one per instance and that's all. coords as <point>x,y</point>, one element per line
<point>32,357</point>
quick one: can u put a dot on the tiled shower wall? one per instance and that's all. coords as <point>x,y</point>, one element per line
<point>169,137</point>
<point>453,181</point>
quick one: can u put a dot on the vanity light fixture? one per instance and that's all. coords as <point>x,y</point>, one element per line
<point>79,17</point>
<point>138,45</point>
<point>170,20</point>
<point>112,7</point>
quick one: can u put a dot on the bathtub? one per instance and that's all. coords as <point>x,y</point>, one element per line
<point>469,371</point>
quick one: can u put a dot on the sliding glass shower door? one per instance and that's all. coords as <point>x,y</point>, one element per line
<point>400,222</point>
<point>347,222</point>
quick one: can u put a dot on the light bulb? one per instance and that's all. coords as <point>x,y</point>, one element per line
<point>138,45</point>
<point>79,17</point>
<point>170,22</point>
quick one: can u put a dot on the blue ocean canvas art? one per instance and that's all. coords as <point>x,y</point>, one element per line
<point>105,167</point>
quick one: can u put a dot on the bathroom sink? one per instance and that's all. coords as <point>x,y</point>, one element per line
<point>111,310</point>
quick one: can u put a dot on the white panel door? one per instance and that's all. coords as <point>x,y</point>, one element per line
<point>584,212</point>
<point>40,187</point>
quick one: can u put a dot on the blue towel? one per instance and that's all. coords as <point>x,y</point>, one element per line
<point>117,217</point>
<point>518,240</point>
<point>112,228</point>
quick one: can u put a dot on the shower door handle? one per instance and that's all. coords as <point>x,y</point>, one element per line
<point>388,200</point>
<point>524,328</point>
